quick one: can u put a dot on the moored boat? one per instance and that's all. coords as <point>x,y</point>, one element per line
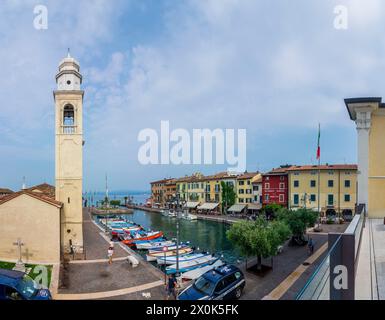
<point>150,245</point>
<point>172,259</point>
<point>168,248</point>
<point>145,236</point>
<point>196,273</point>
<point>172,253</point>
<point>189,216</point>
<point>191,264</point>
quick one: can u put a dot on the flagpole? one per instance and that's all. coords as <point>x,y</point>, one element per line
<point>319,191</point>
<point>319,176</point>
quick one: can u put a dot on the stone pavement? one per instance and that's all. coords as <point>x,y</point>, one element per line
<point>96,246</point>
<point>370,276</point>
<point>378,231</point>
<point>96,279</point>
<point>284,265</point>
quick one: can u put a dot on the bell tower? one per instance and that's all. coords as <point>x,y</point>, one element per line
<point>69,154</point>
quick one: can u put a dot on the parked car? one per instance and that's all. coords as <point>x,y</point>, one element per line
<point>222,283</point>
<point>16,285</point>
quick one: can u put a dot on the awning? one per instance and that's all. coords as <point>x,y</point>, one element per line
<point>237,207</point>
<point>191,204</point>
<point>254,206</point>
<point>208,206</point>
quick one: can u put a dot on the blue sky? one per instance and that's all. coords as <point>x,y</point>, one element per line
<point>275,68</point>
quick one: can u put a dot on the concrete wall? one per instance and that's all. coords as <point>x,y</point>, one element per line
<point>37,223</point>
<point>377,166</point>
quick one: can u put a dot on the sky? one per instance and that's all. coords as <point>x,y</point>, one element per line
<point>276,69</point>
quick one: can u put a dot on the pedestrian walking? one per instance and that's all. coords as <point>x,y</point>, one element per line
<point>171,287</point>
<point>310,245</point>
<point>110,254</point>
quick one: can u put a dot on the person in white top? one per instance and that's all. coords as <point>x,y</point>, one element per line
<point>110,253</point>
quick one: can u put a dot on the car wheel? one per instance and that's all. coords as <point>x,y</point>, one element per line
<point>238,293</point>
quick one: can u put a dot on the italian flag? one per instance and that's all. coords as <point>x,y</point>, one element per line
<point>318,145</point>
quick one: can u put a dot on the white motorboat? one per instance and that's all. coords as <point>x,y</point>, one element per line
<point>171,253</point>
<point>168,248</point>
<point>172,258</point>
<point>190,216</point>
<point>191,264</point>
<point>169,213</point>
<point>196,273</point>
<point>150,245</point>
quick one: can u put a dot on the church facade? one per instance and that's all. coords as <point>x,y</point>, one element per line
<point>49,220</point>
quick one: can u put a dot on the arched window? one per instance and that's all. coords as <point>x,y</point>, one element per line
<point>68,119</point>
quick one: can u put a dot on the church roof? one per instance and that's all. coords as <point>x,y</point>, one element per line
<point>5,190</point>
<point>44,189</point>
<point>36,195</point>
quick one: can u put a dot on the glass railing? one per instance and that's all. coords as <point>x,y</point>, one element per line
<point>317,287</point>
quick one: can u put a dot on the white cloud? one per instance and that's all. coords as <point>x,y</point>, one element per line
<point>215,63</point>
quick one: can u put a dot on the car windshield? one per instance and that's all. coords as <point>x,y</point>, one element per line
<point>204,285</point>
<point>27,286</point>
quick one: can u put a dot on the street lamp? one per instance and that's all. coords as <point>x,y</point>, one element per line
<point>164,252</point>
<point>304,199</point>
<point>177,235</point>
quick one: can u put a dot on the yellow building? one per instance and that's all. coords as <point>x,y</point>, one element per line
<point>191,188</point>
<point>244,187</point>
<point>337,187</point>
<point>369,116</point>
<point>214,189</point>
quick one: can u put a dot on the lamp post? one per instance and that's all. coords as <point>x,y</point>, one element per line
<point>304,199</point>
<point>165,276</point>
<point>177,235</point>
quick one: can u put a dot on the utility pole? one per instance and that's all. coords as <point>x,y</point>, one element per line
<point>177,235</point>
<point>106,200</point>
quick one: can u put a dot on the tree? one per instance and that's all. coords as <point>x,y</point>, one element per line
<point>125,200</point>
<point>258,238</point>
<point>270,210</point>
<point>115,203</point>
<point>228,195</point>
<point>298,221</point>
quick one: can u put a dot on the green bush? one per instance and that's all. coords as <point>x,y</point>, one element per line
<point>298,220</point>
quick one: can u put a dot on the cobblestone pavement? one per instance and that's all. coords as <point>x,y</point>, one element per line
<point>101,277</point>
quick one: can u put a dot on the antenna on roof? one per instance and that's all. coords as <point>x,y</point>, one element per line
<point>106,187</point>
<point>23,187</point>
<point>69,53</point>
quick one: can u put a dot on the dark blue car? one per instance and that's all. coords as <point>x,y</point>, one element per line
<point>16,285</point>
<point>222,283</point>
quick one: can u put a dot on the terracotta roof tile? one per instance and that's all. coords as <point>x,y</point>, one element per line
<point>5,190</point>
<point>35,195</point>
<point>324,167</point>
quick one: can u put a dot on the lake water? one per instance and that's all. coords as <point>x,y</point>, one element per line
<point>206,235</point>
<point>138,196</point>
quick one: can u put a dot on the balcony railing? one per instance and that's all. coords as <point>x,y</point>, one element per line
<point>69,129</point>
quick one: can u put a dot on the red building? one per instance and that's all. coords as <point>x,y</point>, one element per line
<point>275,187</point>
